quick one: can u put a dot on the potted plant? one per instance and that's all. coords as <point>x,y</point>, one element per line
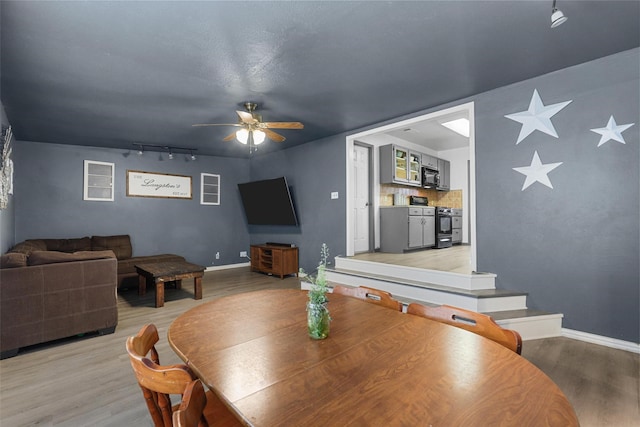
<point>317,312</point>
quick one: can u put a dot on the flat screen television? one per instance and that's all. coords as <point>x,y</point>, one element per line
<point>268,202</point>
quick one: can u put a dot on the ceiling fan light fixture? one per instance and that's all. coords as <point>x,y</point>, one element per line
<point>242,136</point>
<point>258,137</point>
<point>557,17</point>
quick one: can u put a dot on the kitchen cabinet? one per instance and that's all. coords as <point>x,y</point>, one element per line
<point>456,226</point>
<point>399,165</point>
<point>430,161</point>
<point>404,228</point>
<point>444,170</point>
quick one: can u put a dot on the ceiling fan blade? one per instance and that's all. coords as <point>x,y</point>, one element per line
<point>246,117</point>
<point>217,124</point>
<point>276,137</point>
<point>230,137</point>
<point>284,125</point>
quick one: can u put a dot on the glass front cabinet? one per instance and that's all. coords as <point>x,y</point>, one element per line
<point>399,165</point>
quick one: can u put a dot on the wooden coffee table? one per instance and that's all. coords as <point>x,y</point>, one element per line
<point>161,272</point>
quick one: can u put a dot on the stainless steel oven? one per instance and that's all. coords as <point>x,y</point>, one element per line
<point>444,229</point>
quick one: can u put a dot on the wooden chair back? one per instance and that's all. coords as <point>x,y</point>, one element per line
<point>477,323</point>
<point>194,400</point>
<point>157,382</point>
<point>372,295</point>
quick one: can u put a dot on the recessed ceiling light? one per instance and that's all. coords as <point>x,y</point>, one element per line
<point>460,126</point>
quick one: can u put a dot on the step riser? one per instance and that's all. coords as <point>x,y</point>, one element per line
<point>455,280</point>
<point>432,296</point>
<point>536,327</point>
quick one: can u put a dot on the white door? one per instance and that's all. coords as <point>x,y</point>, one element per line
<point>360,193</point>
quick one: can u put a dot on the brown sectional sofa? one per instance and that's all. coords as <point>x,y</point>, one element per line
<point>57,288</point>
<point>120,245</point>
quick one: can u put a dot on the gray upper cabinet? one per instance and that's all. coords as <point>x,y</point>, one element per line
<point>430,161</point>
<point>444,170</point>
<point>399,165</point>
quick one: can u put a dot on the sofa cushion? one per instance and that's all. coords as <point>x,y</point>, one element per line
<point>13,260</point>
<point>68,245</point>
<point>52,257</point>
<point>120,245</point>
<point>29,246</point>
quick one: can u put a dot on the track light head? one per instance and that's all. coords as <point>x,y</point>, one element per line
<point>557,17</point>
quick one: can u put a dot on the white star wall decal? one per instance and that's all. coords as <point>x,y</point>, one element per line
<point>537,172</point>
<point>612,131</point>
<point>537,117</point>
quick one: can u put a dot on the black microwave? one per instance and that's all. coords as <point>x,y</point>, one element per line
<point>430,178</point>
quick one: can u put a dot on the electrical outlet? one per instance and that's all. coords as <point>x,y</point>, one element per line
<point>217,255</point>
<point>334,195</point>
<point>243,254</point>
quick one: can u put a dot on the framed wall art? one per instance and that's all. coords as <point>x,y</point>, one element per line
<point>163,185</point>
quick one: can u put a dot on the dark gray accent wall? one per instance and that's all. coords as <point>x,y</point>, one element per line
<point>574,248</point>
<point>49,188</point>
<point>313,171</point>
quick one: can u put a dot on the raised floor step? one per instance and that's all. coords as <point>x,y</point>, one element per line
<point>482,300</point>
<point>475,281</point>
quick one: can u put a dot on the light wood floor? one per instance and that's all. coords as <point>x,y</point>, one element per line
<point>89,381</point>
<point>455,259</point>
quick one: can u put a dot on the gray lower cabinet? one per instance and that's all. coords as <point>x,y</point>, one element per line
<point>456,225</point>
<point>403,228</point>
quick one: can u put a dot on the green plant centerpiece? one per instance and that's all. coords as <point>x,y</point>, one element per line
<point>317,312</point>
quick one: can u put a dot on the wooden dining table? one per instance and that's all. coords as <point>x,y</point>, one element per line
<point>378,367</point>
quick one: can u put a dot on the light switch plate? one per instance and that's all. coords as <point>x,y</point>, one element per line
<point>334,195</point>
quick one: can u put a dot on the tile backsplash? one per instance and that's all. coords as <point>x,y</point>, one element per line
<point>452,199</point>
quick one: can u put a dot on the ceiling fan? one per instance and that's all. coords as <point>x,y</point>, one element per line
<point>254,130</point>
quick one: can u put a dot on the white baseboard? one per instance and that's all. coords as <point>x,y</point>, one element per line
<point>601,340</point>
<point>227,266</point>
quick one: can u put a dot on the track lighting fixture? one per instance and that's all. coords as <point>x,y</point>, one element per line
<point>163,148</point>
<point>557,17</point>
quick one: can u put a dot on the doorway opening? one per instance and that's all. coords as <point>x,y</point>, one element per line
<point>394,133</point>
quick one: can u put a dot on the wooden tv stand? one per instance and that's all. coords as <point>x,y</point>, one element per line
<point>279,260</point>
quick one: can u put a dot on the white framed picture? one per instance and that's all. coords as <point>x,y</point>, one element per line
<point>98,181</point>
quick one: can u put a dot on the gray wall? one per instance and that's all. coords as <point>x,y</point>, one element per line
<point>575,247</point>
<point>48,188</point>
<point>313,171</point>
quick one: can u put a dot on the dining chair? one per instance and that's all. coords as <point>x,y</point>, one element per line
<point>189,413</point>
<point>158,382</point>
<point>372,295</point>
<point>472,321</point>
